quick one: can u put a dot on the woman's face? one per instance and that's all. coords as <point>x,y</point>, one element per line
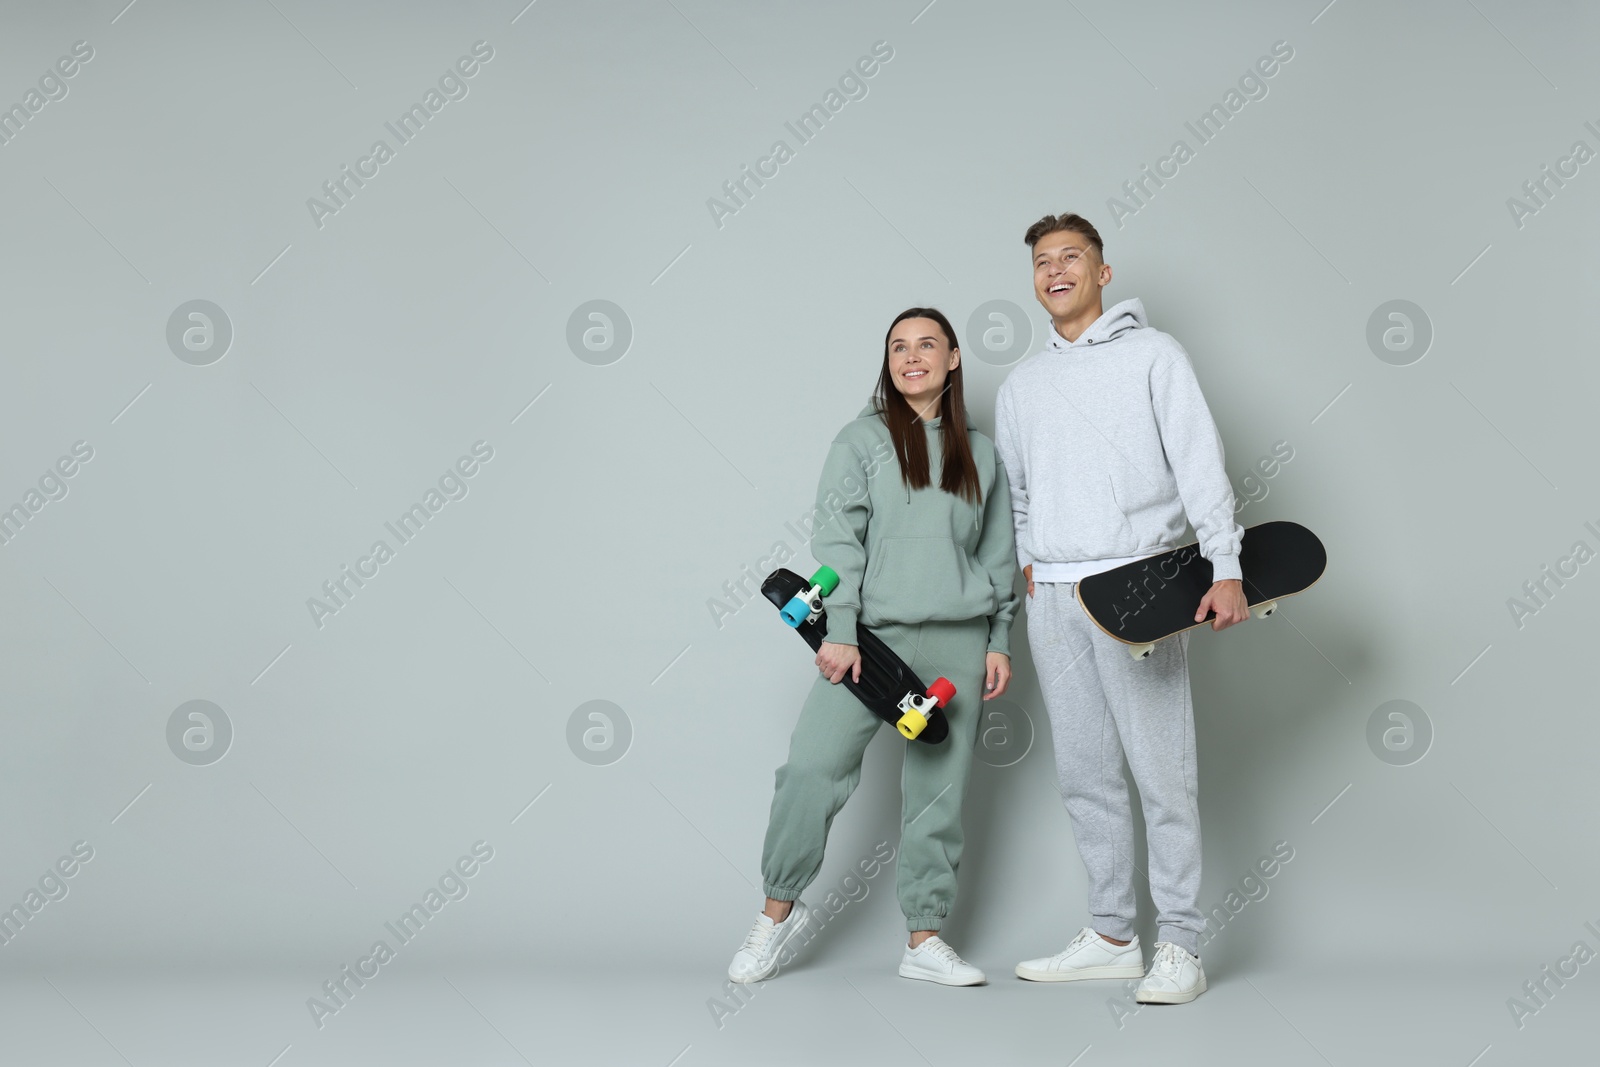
<point>920,360</point>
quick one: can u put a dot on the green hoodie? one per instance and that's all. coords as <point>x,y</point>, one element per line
<point>911,556</point>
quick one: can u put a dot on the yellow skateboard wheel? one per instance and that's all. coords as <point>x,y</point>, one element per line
<point>911,724</point>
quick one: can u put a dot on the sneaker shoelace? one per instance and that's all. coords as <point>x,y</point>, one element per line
<point>1166,963</point>
<point>944,952</point>
<point>755,942</point>
<point>1083,938</point>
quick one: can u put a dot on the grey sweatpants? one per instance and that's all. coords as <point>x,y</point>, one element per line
<point>1105,706</point>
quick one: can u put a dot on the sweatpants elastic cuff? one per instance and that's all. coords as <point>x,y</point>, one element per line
<point>1187,940</point>
<point>778,892</point>
<point>924,922</point>
<point>1113,926</point>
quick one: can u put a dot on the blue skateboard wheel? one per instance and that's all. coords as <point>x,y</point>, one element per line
<point>796,612</point>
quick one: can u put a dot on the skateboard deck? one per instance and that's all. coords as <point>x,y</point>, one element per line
<point>888,687</point>
<point>1146,601</point>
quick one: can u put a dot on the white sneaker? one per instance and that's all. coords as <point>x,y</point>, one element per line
<point>935,961</point>
<point>1088,956</point>
<point>1175,977</point>
<point>757,959</point>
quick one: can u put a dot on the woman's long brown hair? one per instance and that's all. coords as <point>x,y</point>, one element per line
<point>960,474</point>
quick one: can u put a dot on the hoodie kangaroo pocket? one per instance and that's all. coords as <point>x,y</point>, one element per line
<point>921,579</point>
<point>1136,536</point>
<point>1078,519</point>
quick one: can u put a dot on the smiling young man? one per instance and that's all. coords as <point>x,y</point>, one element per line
<point>1109,446</point>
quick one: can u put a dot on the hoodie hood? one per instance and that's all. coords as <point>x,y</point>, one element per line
<point>870,411</point>
<point>1112,323</point>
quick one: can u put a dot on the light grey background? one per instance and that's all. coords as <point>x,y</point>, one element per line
<point>432,711</point>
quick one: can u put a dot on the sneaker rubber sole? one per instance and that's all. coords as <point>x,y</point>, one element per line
<point>1171,998</point>
<point>941,979</point>
<point>1079,974</point>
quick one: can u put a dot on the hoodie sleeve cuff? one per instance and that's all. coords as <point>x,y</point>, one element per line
<point>1224,568</point>
<point>841,626</point>
<point>1000,636</point>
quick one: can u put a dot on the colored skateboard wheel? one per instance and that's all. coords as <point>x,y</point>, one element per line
<point>941,691</point>
<point>796,612</point>
<point>911,724</point>
<point>827,578</point>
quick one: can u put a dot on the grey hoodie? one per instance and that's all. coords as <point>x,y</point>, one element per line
<point>912,555</point>
<point>1108,444</point>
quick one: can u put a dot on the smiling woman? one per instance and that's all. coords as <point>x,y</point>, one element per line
<point>923,365</point>
<point>930,571</point>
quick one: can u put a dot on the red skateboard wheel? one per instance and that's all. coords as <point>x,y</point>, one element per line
<point>941,691</point>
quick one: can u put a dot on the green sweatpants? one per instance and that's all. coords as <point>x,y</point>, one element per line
<point>824,767</point>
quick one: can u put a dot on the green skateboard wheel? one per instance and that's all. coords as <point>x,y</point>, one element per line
<point>827,578</point>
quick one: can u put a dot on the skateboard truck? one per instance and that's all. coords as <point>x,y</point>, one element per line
<point>1259,611</point>
<point>806,606</point>
<point>917,708</point>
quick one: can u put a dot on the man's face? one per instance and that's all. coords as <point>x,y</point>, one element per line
<point>1067,274</point>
